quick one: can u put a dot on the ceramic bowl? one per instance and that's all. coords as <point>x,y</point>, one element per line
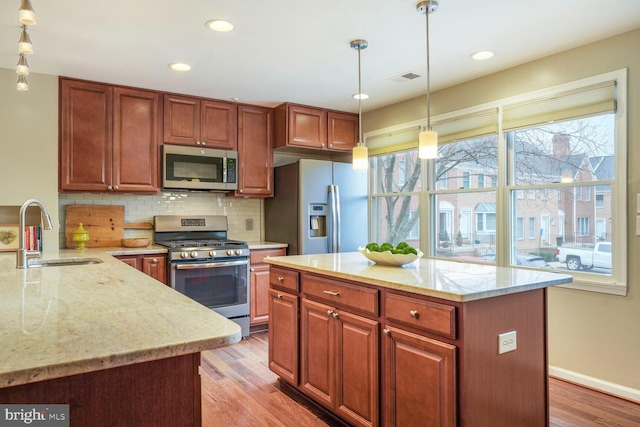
<point>387,258</point>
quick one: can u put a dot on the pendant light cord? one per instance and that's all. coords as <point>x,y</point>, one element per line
<point>426,14</point>
<point>359,98</point>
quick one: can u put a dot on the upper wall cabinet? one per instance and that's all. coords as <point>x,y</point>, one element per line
<point>108,138</point>
<point>199,121</point>
<point>255,151</point>
<point>300,126</point>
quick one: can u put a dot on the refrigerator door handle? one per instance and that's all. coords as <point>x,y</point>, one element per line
<point>333,222</point>
<point>338,226</point>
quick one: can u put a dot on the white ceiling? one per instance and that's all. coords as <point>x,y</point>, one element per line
<point>298,50</point>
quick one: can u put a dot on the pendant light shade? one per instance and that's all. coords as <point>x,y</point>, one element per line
<point>22,85</point>
<point>24,44</point>
<point>22,68</point>
<point>360,152</point>
<point>26,14</point>
<point>428,139</point>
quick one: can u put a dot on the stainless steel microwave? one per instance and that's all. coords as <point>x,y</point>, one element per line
<point>199,168</point>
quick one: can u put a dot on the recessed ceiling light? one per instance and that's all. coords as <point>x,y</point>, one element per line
<point>360,96</point>
<point>482,55</point>
<point>179,66</point>
<point>219,25</point>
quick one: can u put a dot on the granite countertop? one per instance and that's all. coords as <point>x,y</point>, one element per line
<point>67,320</point>
<point>266,245</point>
<point>449,280</point>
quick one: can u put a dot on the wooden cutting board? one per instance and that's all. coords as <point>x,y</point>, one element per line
<point>105,224</point>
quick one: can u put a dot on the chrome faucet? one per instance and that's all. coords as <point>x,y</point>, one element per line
<point>23,254</point>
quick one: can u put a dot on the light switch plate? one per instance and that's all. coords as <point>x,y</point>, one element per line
<point>507,342</point>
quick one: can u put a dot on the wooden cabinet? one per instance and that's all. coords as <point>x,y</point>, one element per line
<point>200,121</point>
<point>419,380</point>
<point>109,138</point>
<point>340,361</point>
<point>255,151</point>
<point>259,312</point>
<point>314,128</point>
<point>154,265</point>
<point>283,326</point>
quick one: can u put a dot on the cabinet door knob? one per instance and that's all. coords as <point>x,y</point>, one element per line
<point>322,145</point>
<point>335,314</point>
<point>386,331</point>
<point>329,312</point>
<point>197,142</point>
<point>154,261</point>
<point>203,143</point>
<point>330,145</point>
<point>115,188</point>
<point>279,296</point>
<point>280,279</point>
<point>110,188</point>
<point>414,314</point>
<point>242,190</point>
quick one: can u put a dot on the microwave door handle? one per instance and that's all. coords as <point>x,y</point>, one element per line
<point>224,169</point>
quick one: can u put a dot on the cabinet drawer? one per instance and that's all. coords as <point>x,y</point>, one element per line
<point>257,256</point>
<point>429,316</point>
<point>283,278</point>
<point>341,294</point>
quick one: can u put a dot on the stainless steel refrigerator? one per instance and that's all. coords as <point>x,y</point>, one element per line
<point>319,207</point>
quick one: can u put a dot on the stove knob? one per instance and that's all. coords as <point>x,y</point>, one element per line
<point>212,253</point>
<point>184,254</point>
<point>238,252</point>
<point>230,252</point>
<point>194,254</point>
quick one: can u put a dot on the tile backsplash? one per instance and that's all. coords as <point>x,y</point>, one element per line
<point>241,213</point>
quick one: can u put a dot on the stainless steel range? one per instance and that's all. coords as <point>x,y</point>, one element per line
<point>205,265</point>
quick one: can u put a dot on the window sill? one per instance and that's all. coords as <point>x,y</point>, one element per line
<point>611,288</point>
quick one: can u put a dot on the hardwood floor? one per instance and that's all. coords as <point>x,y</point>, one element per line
<point>239,390</point>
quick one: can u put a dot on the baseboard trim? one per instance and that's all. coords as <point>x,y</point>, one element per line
<point>595,384</point>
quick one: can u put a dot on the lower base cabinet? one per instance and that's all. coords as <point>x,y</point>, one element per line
<point>154,265</point>
<point>259,272</point>
<point>339,361</point>
<point>283,335</point>
<point>419,379</point>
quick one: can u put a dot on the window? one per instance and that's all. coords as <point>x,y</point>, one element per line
<point>560,170</point>
<point>520,228</point>
<point>532,227</point>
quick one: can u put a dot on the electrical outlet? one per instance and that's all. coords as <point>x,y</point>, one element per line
<point>248,224</point>
<point>507,342</point>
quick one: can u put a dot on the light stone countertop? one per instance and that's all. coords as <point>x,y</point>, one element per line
<point>67,320</point>
<point>449,280</point>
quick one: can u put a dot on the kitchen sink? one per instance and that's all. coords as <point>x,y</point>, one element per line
<point>62,262</point>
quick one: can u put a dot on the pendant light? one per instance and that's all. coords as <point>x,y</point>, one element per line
<point>428,138</point>
<point>26,14</point>
<point>24,44</point>
<point>360,152</point>
<point>22,85</point>
<point>23,67</point>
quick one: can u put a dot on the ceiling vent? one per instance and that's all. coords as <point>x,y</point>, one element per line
<point>403,78</point>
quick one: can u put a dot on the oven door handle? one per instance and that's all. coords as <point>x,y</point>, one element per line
<point>210,265</point>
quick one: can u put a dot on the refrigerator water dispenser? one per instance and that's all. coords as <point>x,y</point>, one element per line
<point>317,220</point>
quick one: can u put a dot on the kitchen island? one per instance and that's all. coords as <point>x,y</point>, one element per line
<point>116,345</point>
<point>433,343</point>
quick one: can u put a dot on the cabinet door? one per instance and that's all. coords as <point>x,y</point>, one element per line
<point>357,368</point>
<point>219,125</point>
<point>155,266</point>
<point>85,136</point>
<point>307,127</point>
<point>342,134</point>
<point>136,138</point>
<point>259,294</point>
<point>181,120</point>
<point>255,149</point>
<point>317,351</point>
<point>283,335</point>
<point>419,380</point>
<point>132,260</point>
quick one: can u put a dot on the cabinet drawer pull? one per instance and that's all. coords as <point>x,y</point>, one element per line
<point>279,296</point>
<point>386,331</point>
<point>280,279</point>
<point>154,261</point>
<point>414,313</point>
<point>335,294</point>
